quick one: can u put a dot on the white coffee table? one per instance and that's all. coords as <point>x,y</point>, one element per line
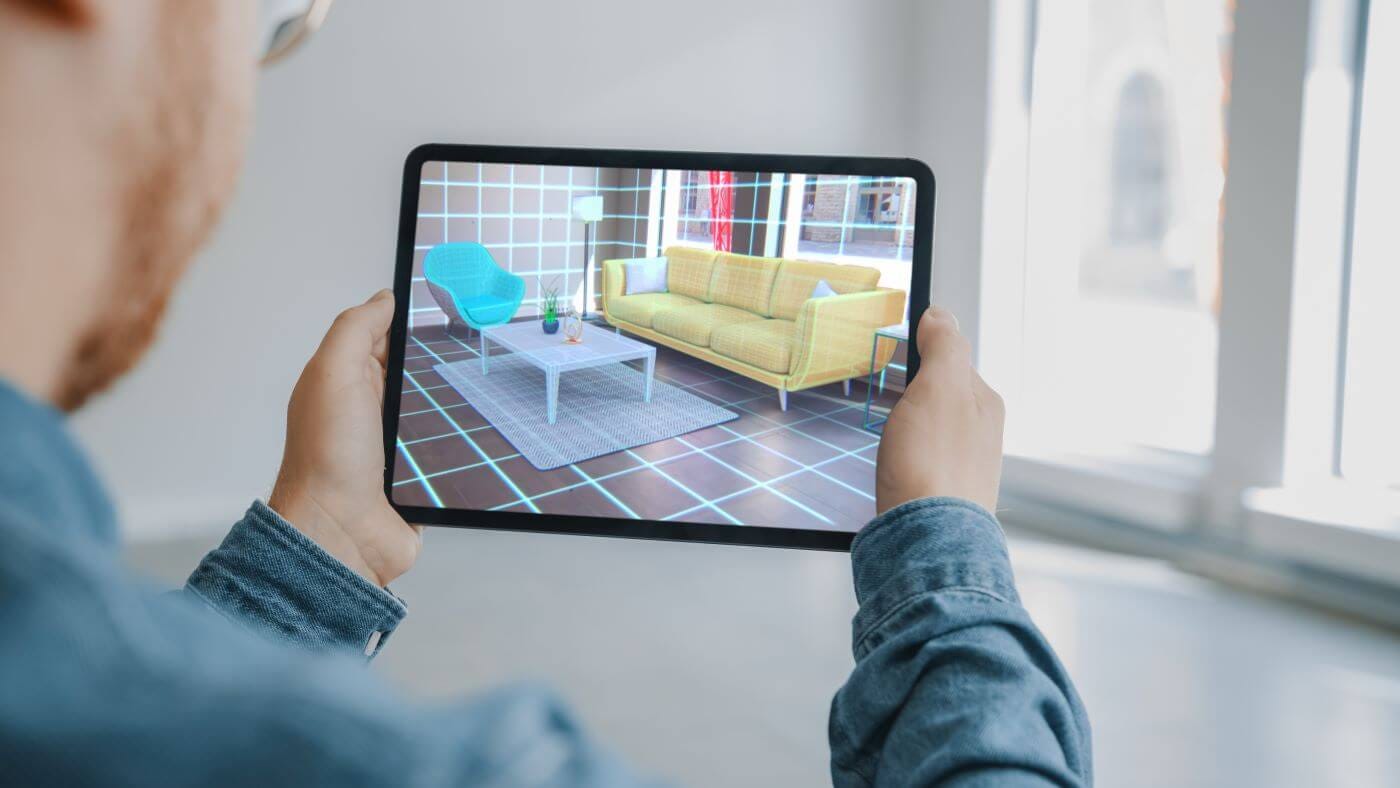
<point>552,354</point>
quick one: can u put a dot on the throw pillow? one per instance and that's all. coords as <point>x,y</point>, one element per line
<point>645,275</point>
<point>822,290</point>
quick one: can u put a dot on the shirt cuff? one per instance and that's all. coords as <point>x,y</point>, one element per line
<point>269,575</point>
<point>925,546</point>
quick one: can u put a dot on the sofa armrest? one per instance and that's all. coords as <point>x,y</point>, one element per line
<point>834,336</point>
<point>613,281</point>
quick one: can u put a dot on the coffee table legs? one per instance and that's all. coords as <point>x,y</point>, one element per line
<point>651,368</point>
<point>551,394</point>
<point>551,385</point>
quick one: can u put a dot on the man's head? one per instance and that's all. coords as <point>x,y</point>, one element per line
<point>123,124</point>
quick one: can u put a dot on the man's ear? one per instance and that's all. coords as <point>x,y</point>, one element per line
<point>73,13</point>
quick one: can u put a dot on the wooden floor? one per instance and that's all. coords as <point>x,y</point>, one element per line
<point>714,666</point>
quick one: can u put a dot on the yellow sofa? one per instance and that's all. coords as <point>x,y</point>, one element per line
<point>754,315</point>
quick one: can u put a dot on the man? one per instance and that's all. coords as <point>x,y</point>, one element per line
<point>130,114</point>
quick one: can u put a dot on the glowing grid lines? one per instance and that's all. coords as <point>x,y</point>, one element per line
<point>492,462</point>
<point>621,231</point>
<point>500,230</point>
<point>752,483</point>
<point>423,480</point>
<point>587,479</point>
<point>504,476</point>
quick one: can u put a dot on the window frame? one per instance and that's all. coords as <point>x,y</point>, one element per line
<point>1269,490</point>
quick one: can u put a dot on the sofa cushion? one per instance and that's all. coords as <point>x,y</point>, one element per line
<point>487,309</point>
<point>694,324</point>
<point>641,309</point>
<point>644,275</point>
<point>822,290</point>
<point>796,279</point>
<point>767,344</point>
<point>744,282</point>
<point>688,271</point>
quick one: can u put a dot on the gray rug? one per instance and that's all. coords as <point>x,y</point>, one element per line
<point>600,409</point>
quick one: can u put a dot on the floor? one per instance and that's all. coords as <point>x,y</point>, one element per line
<point>811,466</point>
<point>713,666</point>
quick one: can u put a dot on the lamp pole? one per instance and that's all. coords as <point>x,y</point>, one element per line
<point>589,210</point>
<point>587,265</point>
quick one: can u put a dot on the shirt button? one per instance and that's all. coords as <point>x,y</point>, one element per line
<point>373,643</point>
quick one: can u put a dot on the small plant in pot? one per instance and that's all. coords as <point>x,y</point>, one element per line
<point>550,302</point>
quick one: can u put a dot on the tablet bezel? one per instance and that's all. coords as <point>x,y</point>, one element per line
<point>763,536</point>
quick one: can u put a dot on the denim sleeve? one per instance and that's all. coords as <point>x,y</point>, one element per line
<point>953,683</point>
<point>108,680</point>
<point>268,575</point>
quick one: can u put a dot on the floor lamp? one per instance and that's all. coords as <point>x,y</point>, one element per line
<point>589,210</point>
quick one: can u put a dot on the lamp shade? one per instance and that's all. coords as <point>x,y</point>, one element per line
<point>588,208</point>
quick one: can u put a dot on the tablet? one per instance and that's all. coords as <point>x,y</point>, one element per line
<point>664,345</point>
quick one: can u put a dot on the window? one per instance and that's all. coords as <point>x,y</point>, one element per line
<point>879,203</point>
<point>694,207</point>
<point>1139,205</point>
<point>851,216</point>
<point>809,198</point>
<point>1125,176</point>
<point>1370,434</point>
<point>1099,311</point>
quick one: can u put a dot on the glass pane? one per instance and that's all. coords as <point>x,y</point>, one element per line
<point>853,216</point>
<point>1127,170</point>
<point>694,207</point>
<point>1371,401</point>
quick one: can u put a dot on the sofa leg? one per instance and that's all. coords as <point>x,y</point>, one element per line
<point>782,398</point>
<point>846,386</point>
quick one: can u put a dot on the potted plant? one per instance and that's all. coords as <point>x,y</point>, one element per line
<point>550,301</point>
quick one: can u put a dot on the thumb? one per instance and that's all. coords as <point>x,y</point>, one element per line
<point>359,331</point>
<point>941,345</point>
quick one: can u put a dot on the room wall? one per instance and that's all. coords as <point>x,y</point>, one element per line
<point>190,438</point>
<point>522,215</point>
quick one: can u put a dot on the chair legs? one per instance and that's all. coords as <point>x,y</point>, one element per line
<point>846,386</point>
<point>451,324</point>
<point>782,398</point>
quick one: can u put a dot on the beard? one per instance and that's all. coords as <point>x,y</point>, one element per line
<point>176,168</point>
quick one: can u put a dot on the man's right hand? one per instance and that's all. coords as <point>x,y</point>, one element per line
<point>943,437</point>
<point>331,486</point>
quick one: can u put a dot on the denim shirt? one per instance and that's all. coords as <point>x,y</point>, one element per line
<point>256,672</point>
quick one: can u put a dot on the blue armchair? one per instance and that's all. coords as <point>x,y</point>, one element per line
<point>469,286</point>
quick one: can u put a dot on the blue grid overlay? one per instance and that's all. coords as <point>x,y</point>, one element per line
<point>812,466</point>
<point>521,214</point>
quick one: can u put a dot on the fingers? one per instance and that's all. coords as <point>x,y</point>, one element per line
<point>941,345</point>
<point>361,331</point>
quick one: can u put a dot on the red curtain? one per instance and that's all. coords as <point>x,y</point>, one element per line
<point>722,210</point>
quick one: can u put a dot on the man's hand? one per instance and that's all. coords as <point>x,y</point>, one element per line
<point>943,437</point>
<point>331,486</point>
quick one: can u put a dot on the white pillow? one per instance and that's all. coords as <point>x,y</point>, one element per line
<point>644,275</point>
<point>822,290</point>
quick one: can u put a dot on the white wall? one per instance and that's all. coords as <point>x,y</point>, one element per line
<point>195,434</point>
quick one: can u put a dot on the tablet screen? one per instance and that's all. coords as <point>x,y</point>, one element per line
<point>703,346</point>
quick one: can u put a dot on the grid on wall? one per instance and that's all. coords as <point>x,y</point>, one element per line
<point>522,215</point>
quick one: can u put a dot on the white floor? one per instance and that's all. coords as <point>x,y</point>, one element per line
<point>714,665</point>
